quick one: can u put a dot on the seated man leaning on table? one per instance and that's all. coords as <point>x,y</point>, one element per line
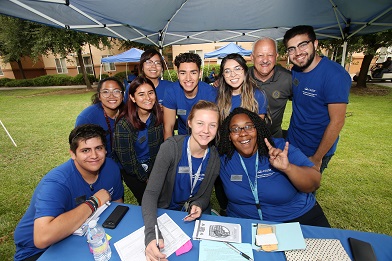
<point>69,193</point>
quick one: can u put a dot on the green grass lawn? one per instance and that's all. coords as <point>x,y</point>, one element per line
<point>355,192</point>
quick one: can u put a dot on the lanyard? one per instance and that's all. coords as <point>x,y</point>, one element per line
<point>197,174</point>
<point>253,186</point>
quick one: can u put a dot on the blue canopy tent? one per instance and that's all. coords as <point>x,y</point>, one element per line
<point>228,49</point>
<point>132,55</point>
<point>170,22</point>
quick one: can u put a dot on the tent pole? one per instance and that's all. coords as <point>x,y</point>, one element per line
<point>344,53</point>
<point>100,71</point>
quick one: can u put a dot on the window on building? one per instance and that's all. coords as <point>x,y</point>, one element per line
<point>87,64</point>
<point>61,65</point>
<point>200,53</point>
<point>107,67</point>
<point>1,72</point>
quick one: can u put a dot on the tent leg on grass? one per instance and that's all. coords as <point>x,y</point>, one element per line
<point>8,133</point>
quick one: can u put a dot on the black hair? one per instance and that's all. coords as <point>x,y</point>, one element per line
<point>297,30</point>
<point>85,132</point>
<point>225,145</point>
<point>147,55</point>
<point>187,58</point>
<point>130,109</point>
<point>95,97</point>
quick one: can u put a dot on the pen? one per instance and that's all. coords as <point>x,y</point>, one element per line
<point>156,237</point>
<point>238,251</point>
<point>190,214</point>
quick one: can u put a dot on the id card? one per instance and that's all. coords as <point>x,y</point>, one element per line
<point>181,112</point>
<point>183,169</point>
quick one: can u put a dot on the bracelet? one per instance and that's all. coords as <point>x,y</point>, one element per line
<point>96,200</point>
<point>90,205</point>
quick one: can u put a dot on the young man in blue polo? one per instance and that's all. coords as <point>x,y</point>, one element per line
<point>69,194</point>
<point>183,94</point>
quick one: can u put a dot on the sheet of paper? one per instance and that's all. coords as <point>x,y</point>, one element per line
<point>266,239</point>
<point>289,236</point>
<point>218,231</point>
<point>218,251</point>
<point>132,246</point>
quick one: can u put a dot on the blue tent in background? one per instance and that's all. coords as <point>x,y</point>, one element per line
<point>132,55</point>
<point>228,49</point>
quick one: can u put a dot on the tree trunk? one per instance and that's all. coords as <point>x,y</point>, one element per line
<point>20,66</point>
<point>81,63</point>
<point>367,59</point>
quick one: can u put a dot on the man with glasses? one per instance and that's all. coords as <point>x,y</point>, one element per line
<point>275,81</point>
<point>182,95</point>
<point>320,96</point>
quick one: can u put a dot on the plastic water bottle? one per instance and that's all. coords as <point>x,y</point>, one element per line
<point>99,245</point>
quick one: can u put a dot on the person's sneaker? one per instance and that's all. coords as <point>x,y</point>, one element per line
<point>214,212</point>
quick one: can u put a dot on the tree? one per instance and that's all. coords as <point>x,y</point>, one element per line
<point>369,44</point>
<point>62,42</point>
<point>16,41</point>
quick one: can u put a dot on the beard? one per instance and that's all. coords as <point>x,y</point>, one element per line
<point>308,62</point>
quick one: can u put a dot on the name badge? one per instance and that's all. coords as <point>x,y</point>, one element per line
<point>181,112</point>
<point>142,139</point>
<point>183,170</point>
<point>236,178</point>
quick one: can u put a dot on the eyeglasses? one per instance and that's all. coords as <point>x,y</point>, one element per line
<point>301,46</point>
<point>150,63</point>
<point>246,128</point>
<point>236,70</point>
<point>106,93</point>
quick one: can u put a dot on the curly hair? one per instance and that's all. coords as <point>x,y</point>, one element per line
<point>187,58</point>
<point>225,145</point>
<point>225,91</point>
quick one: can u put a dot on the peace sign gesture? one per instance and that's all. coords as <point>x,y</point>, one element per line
<point>278,158</point>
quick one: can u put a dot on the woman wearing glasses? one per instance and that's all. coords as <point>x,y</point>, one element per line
<point>138,135</point>
<point>266,178</point>
<point>107,103</point>
<point>151,66</point>
<point>237,89</point>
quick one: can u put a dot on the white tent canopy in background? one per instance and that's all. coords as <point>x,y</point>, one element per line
<point>132,55</point>
<point>228,49</point>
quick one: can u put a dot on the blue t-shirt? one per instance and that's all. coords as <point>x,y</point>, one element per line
<point>160,90</point>
<point>60,191</point>
<point>182,183</point>
<point>93,114</point>
<point>327,83</point>
<point>280,201</point>
<point>175,99</point>
<point>141,144</point>
<point>259,97</point>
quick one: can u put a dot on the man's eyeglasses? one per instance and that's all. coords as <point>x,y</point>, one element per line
<point>150,63</point>
<point>301,46</point>
<point>246,128</point>
<point>106,93</point>
<point>236,70</point>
